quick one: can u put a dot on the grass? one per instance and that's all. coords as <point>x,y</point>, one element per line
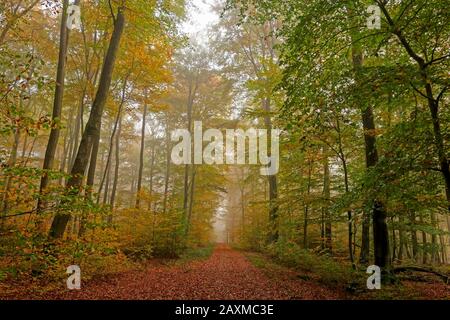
<point>328,271</point>
<point>196,253</point>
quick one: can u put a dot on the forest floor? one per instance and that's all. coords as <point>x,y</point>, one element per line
<point>227,274</point>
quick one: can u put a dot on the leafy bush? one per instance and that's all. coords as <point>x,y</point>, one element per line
<point>330,271</point>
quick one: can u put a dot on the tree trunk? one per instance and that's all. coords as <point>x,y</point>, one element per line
<point>424,242</point>
<point>365,239</point>
<point>167,175</point>
<point>351,240</point>
<point>414,244</point>
<point>107,183</point>
<point>141,158</point>
<point>78,128</point>
<point>111,140</point>
<point>57,104</point>
<point>191,201</point>
<point>92,166</point>
<point>305,221</point>
<point>92,131</point>
<point>116,166</point>
<point>273,183</point>
<point>402,244</point>
<point>62,162</point>
<point>394,242</point>
<point>190,105</point>
<point>325,208</point>
<point>152,169</point>
<point>380,229</point>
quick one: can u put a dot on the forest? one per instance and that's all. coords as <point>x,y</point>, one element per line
<point>348,99</point>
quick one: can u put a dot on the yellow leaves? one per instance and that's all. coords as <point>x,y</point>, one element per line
<point>374,132</point>
<point>159,107</point>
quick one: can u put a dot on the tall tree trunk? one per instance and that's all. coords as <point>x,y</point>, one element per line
<point>150,187</point>
<point>92,167</point>
<point>325,208</point>
<point>305,220</point>
<point>133,186</point>
<point>57,103</point>
<point>443,249</point>
<point>424,242</point>
<point>380,229</point>
<point>111,140</point>
<point>402,244</point>
<point>434,243</point>
<point>167,175</point>
<point>116,166</point>
<point>141,158</point>
<point>107,183</point>
<point>63,160</point>
<point>365,239</point>
<point>78,127</point>
<point>92,131</point>
<point>192,92</point>
<point>191,201</point>
<point>414,244</point>
<point>351,240</point>
<point>394,242</point>
<point>273,183</point>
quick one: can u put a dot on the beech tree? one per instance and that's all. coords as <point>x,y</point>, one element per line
<point>93,126</point>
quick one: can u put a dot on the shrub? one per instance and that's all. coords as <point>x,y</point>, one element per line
<point>330,271</point>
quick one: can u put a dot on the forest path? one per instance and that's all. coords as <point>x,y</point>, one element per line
<point>226,274</point>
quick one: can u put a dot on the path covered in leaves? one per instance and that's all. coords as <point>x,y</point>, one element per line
<point>227,274</point>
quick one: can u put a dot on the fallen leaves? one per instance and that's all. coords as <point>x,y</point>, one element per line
<point>226,275</point>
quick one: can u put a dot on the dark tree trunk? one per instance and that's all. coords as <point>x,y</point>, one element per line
<point>434,243</point>
<point>116,166</point>
<point>325,208</point>
<point>111,140</point>
<point>92,166</point>
<point>78,128</point>
<point>167,175</point>
<point>394,243</point>
<point>150,187</point>
<point>191,202</point>
<point>305,220</point>
<point>92,131</point>
<point>351,235</point>
<point>273,183</point>
<point>57,103</point>
<point>365,239</point>
<point>413,235</point>
<point>141,158</point>
<point>424,242</point>
<point>107,183</point>
<point>380,229</point>
<point>402,244</point>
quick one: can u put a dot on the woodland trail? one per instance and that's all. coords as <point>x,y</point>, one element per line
<point>226,274</point>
